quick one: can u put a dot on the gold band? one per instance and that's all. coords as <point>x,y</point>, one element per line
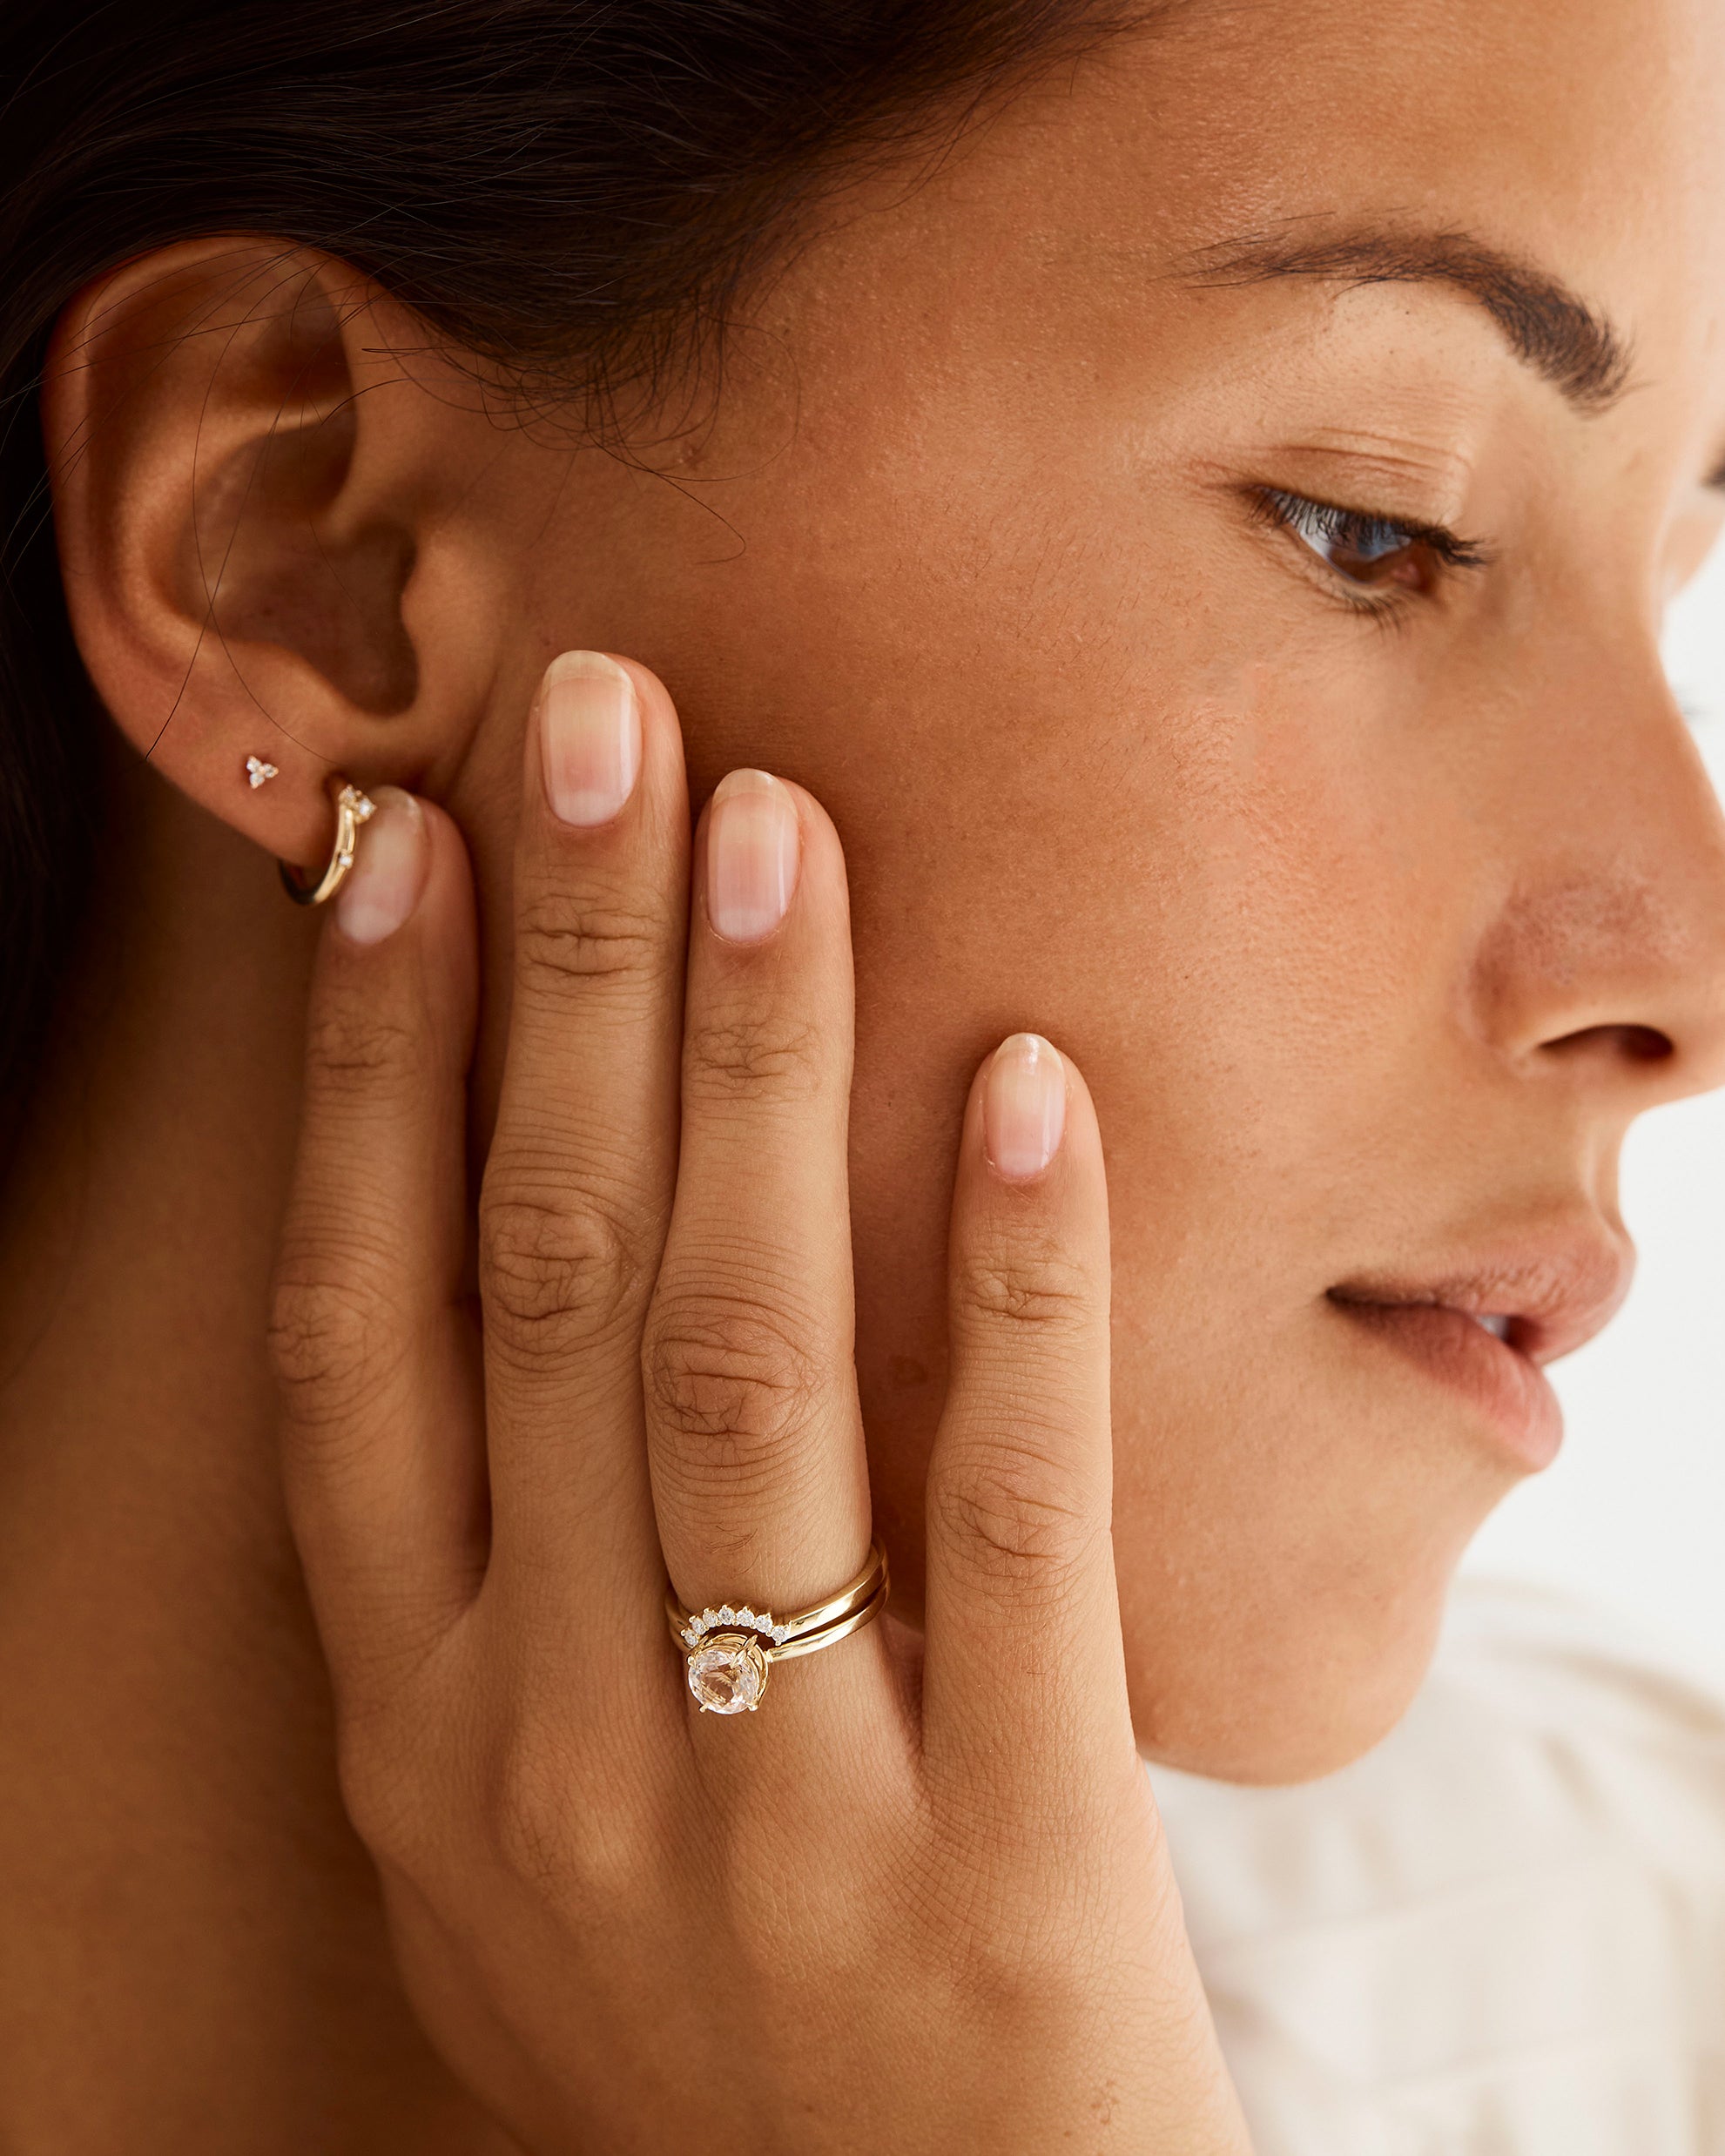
<point>352,808</point>
<point>729,1650</point>
<point>812,1643</point>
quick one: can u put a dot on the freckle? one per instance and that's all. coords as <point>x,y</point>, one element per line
<point>906,1370</point>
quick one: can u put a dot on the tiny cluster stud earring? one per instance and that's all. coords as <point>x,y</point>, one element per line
<point>257,773</point>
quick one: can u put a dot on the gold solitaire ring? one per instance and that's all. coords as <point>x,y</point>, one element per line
<point>729,1651</point>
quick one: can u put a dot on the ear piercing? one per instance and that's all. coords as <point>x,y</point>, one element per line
<point>352,808</point>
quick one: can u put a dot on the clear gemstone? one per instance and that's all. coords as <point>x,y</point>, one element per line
<point>726,1676</point>
<point>779,1631</point>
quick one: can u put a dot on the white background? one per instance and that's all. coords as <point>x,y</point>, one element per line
<point>1633,1513</point>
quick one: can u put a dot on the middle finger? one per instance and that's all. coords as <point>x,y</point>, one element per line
<point>754,1432</point>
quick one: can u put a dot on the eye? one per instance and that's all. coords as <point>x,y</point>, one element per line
<point>1367,551</point>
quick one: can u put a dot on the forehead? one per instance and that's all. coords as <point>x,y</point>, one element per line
<point>1585,115</point>
<point>1054,261</point>
<point>1584,135</point>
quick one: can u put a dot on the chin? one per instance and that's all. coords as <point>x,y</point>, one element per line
<point>1281,1602</point>
<point>1301,1699</point>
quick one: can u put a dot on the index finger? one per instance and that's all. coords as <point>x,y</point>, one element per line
<point>383,1457</point>
<point>578,1182</point>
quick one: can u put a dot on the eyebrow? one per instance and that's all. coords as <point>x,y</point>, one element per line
<point>1547,326</point>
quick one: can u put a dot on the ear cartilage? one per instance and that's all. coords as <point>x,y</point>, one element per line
<point>259,773</point>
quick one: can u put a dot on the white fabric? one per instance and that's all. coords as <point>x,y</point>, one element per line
<point>1502,1933</point>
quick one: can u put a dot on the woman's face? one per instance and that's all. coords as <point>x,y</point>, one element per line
<point>1368,873</point>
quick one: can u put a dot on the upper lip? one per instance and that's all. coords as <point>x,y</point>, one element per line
<point>1557,1289</point>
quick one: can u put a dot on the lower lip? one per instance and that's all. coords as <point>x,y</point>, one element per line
<point>1511,1392</point>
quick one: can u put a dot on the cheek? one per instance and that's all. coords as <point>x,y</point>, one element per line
<point>1217,911</point>
<point>1107,792</point>
<point>1238,913</point>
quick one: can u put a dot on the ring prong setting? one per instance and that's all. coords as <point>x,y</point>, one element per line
<point>727,1671</point>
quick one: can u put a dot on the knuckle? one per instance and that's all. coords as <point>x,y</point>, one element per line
<point>359,1052</point>
<point>736,1053</point>
<point>1008,1512</point>
<point>334,1334</point>
<point>583,1848</point>
<point>729,1376</point>
<point>382,1785</point>
<point>1036,1975</point>
<point>555,1272</point>
<point>1031,1290</point>
<point>567,940</point>
<point>528,1804</point>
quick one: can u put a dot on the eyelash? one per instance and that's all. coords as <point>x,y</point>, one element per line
<point>1373,538</point>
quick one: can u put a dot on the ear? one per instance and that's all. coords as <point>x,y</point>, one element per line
<point>254,452</point>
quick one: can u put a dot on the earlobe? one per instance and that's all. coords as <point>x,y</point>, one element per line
<point>242,477</point>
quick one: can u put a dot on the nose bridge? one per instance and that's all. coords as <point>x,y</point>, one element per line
<point>1612,924</point>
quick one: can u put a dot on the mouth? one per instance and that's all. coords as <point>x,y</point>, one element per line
<point>1486,1329</point>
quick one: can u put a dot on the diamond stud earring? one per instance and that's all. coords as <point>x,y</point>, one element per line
<point>259,773</point>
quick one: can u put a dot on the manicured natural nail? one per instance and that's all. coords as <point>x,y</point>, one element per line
<point>1023,1107</point>
<point>383,887</point>
<point>589,737</point>
<point>753,848</point>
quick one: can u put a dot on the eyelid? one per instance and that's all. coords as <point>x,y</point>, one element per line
<point>1279,508</point>
<point>1276,504</point>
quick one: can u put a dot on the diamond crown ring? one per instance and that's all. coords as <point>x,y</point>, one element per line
<point>729,1649</point>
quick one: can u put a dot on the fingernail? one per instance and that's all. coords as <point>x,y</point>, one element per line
<point>589,737</point>
<point>1023,1107</point>
<point>390,861</point>
<point>753,847</point>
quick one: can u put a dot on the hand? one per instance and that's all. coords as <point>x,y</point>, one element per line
<point>919,1900</point>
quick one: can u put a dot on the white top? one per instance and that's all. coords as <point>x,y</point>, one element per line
<point>1502,1932</point>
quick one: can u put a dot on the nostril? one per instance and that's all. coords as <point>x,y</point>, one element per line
<point>1646,1044</point>
<point>1634,1044</point>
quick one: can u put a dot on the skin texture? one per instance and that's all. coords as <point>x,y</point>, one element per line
<point>628,1924</point>
<point>1371,933</point>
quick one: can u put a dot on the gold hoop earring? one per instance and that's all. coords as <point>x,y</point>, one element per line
<point>352,808</point>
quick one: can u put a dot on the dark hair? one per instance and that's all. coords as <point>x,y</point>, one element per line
<point>571,187</point>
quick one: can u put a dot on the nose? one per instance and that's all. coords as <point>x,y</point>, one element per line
<point>1604,957</point>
